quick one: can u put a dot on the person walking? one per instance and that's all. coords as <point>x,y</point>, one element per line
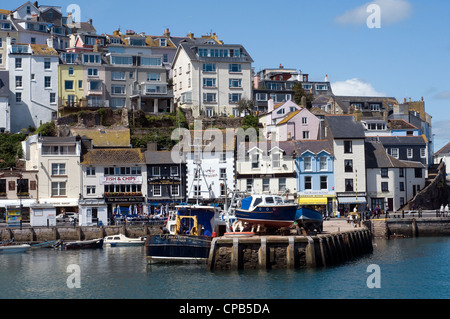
<point>446,211</point>
<point>442,211</point>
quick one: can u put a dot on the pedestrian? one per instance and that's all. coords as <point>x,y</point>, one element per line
<point>446,211</point>
<point>442,211</point>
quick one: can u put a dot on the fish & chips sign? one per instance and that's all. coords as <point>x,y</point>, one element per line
<point>120,180</point>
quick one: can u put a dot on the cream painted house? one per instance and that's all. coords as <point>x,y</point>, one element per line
<point>57,160</point>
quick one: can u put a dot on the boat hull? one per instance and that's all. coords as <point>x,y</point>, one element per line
<point>84,244</point>
<point>11,249</point>
<point>309,218</point>
<point>177,249</point>
<point>269,216</point>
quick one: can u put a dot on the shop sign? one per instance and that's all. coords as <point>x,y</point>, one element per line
<point>120,180</point>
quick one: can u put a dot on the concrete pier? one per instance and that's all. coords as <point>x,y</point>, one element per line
<point>410,227</point>
<point>288,252</point>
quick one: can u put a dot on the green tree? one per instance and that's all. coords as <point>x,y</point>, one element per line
<point>245,106</point>
<point>47,129</point>
<point>299,93</point>
<point>10,149</point>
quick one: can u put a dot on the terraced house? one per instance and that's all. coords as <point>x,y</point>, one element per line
<point>211,77</point>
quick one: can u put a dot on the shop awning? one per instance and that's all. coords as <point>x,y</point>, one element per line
<point>351,200</point>
<point>312,200</point>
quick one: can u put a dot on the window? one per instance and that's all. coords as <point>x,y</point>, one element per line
<point>384,186</point>
<point>175,190</point>
<point>59,150</point>
<point>234,67</point>
<point>323,182</point>
<point>235,83</point>
<point>255,161</point>
<point>223,173</point>
<point>52,97</point>
<point>265,184</point>
<point>18,81</point>
<point>249,185</point>
<point>70,71</point>
<point>348,147</point>
<point>47,82</point>
<point>349,185</point>
<point>153,77</point>
<point>174,171</point>
<point>384,172</point>
<point>90,190</point>
<point>305,135</point>
<point>261,96</point>
<point>58,188</point>
<point>58,169</point>
<point>95,58</point>
<point>18,97</point>
<point>418,172</point>
<point>156,190</point>
<point>209,67</point>
<point>402,201</point>
<point>95,85</point>
<point>117,76</point>
<point>401,172</point>
<point>282,184</point>
<point>308,182</point>
<point>304,120</point>
<point>18,63</point>
<point>2,186</point>
<point>375,107</point>
<point>156,171</point>
<point>151,61</point>
<point>47,64</point>
<point>308,163</point>
<point>117,89</point>
<point>80,84</point>
<point>409,152</point>
<point>68,85</point>
<point>402,186</point>
<point>323,163</point>
<point>197,190</point>
<point>321,87</point>
<point>209,82</point>
<point>394,152</point>
<point>92,72</point>
<point>234,97</point>
<point>423,153</point>
<point>276,160</point>
<point>90,171</point>
<point>209,97</point>
<point>348,165</point>
<point>22,186</point>
<point>118,102</point>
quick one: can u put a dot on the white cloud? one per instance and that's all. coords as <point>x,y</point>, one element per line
<point>444,95</point>
<point>354,87</point>
<point>391,11</point>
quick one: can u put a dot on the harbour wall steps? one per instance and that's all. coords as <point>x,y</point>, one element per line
<point>288,252</point>
<point>71,233</point>
<point>410,227</point>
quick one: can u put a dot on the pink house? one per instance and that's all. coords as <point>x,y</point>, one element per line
<point>290,122</point>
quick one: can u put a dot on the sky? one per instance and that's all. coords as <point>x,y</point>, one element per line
<point>395,48</point>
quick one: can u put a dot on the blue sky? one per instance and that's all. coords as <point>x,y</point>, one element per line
<point>407,57</point>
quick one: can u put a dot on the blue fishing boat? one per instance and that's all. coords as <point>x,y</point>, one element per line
<point>194,227</point>
<point>309,219</point>
<point>266,210</point>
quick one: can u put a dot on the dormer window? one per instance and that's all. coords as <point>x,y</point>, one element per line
<point>163,42</point>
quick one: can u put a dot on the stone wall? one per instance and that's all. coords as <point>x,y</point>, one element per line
<point>418,227</point>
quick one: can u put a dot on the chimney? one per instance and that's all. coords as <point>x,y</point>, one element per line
<point>281,67</point>
<point>421,99</point>
<point>90,21</point>
<point>190,35</point>
<point>269,105</point>
<point>300,75</point>
<point>256,82</point>
<point>167,33</point>
<point>326,77</point>
<point>152,146</point>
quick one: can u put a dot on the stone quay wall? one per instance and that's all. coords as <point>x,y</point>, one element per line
<point>288,252</point>
<point>418,227</point>
<point>71,233</point>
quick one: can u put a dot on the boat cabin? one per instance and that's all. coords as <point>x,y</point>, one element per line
<point>249,203</point>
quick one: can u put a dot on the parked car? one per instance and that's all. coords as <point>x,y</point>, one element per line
<point>67,217</point>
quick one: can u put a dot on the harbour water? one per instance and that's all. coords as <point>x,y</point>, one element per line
<point>415,268</point>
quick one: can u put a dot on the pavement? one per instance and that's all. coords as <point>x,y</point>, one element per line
<point>336,225</point>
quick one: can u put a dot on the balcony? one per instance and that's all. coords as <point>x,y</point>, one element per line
<point>20,49</point>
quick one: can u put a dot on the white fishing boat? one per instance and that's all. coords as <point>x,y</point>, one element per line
<point>121,240</point>
<point>14,248</point>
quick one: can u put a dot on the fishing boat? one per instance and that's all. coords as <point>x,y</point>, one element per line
<point>194,228</point>
<point>83,244</point>
<point>269,211</point>
<point>8,249</point>
<point>121,240</point>
<point>309,219</point>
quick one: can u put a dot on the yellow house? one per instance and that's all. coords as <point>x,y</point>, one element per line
<point>70,88</point>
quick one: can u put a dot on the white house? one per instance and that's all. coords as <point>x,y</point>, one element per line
<point>210,77</point>
<point>33,78</point>
<point>267,167</point>
<point>347,136</point>
<point>444,155</point>
<point>391,183</point>
<point>4,101</point>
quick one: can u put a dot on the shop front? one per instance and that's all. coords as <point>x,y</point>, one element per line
<point>93,212</point>
<point>347,202</point>
<point>324,202</point>
<point>164,193</point>
<point>121,206</point>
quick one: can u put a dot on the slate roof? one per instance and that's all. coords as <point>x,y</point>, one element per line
<point>377,157</point>
<point>114,156</point>
<point>402,140</point>
<point>314,146</point>
<point>287,147</point>
<point>190,47</point>
<point>43,49</point>
<point>401,125</point>
<point>344,126</point>
<point>345,101</point>
<point>105,137</point>
<point>444,150</point>
<point>159,157</point>
<point>4,83</point>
